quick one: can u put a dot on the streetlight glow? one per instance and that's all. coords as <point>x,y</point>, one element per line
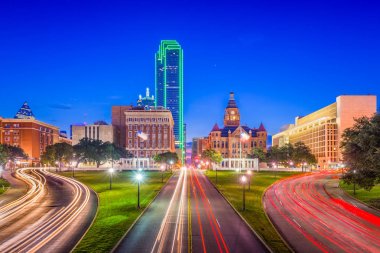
<point>249,172</point>
<point>243,179</point>
<point>139,177</point>
<point>111,170</point>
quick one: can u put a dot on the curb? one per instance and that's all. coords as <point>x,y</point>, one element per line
<point>141,214</point>
<point>245,221</point>
<point>270,221</point>
<point>360,201</point>
<point>92,222</point>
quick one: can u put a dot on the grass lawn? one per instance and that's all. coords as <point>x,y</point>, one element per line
<point>3,185</point>
<point>117,207</point>
<point>369,197</point>
<point>254,213</point>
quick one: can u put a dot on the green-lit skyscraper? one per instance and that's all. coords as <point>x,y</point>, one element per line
<point>169,86</point>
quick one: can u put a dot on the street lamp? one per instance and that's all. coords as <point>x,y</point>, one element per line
<point>139,178</point>
<point>162,173</point>
<point>171,162</point>
<point>111,171</point>
<point>243,137</point>
<point>243,180</point>
<point>291,164</point>
<point>249,173</point>
<point>354,182</point>
<point>72,167</point>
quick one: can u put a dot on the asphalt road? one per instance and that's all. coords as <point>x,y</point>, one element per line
<point>51,216</point>
<point>163,227</point>
<point>314,215</point>
<point>189,215</point>
<point>215,225</point>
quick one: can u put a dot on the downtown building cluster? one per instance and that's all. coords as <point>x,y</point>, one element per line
<point>160,118</point>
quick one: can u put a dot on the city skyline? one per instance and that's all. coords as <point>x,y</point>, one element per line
<point>277,68</point>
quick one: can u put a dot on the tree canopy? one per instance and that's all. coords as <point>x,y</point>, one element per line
<point>87,150</point>
<point>166,158</point>
<point>297,153</point>
<point>361,152</point>
<point>11,153</point>
<point>212,156</point>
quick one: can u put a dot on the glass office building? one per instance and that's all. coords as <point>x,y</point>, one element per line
<point>169,86</point>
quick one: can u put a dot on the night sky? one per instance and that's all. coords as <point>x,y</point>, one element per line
<point>73,60</point>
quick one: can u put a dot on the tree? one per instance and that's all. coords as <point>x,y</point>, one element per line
<point>11,154</point>
<point>302,154</point>
<point>259,154</point>
<point>212,156</point>
<point>275,154</point>
<point>166,158</point>
<point>361,152</point>
<point>58,152</point>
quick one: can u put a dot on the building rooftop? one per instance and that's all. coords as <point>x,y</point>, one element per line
<point>24,112</point>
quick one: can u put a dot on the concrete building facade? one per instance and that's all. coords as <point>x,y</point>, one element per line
<point>321,130</point>
<point>104,133</point>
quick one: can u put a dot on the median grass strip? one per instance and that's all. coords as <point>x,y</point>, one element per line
<point>117,207</point>
<point>3,185</point>
<point>254,213</point>
<point>371,198</point>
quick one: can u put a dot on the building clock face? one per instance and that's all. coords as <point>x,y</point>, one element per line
<point>233,112</point>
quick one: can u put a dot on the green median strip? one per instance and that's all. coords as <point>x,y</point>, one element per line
<point>117,207</point>
<point>371,198</point>
<point>254,212</point>
<point>3,185</point>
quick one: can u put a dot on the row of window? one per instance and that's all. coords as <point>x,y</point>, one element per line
<point>148,120</point>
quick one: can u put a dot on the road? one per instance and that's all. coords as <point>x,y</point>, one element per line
<point>51,216</point>
<point>189,215</point>
<point>314,215</point>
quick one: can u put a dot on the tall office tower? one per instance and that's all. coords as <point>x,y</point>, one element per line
<point>169,87</point>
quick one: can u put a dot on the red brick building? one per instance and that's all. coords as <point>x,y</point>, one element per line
<point>156,123</point>
<point>28,133</point>
<point>227,140</point>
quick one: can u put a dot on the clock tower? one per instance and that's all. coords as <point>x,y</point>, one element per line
<point>232,115</point>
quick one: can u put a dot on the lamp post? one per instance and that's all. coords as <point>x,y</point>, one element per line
<point>111,171</point>
<point>354,182</point>
<point>274,170</point>
<point>171,162</point>
<point>162,173</point>
<point>72,167</point>
<point>243,180</point>
<point>249,173</point>
<point>139,178</point>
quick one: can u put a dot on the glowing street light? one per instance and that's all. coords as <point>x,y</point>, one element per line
<point>111,171</point>
<point>139,178</point>
<point>243,180</point>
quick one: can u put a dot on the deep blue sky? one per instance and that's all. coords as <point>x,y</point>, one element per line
<point>72,60</point>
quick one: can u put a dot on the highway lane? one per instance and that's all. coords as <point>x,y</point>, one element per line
<point>189,215</point>
<point>51,217</point>
<point>163,227</point>
<point>215,225</point>
<point>314,215</point>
